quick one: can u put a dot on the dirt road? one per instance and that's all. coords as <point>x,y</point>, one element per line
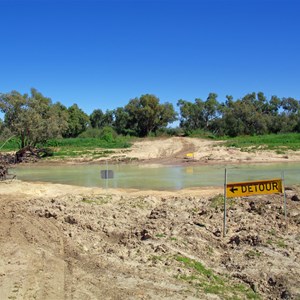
<point>173,151</point>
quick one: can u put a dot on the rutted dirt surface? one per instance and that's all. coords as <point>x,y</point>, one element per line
<point>175,151</point>
<point>62,242</point>
<point>67,242</point>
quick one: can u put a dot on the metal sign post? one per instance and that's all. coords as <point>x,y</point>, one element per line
<point>284,196</point>
<point>106,174</point>
<point>106,177</point>
<point>225,199</point>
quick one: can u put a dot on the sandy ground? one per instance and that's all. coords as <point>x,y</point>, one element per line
<point>182,150</point>
<point>67,242</point>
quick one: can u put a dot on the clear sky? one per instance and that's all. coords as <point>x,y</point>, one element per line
<point>101,54</point>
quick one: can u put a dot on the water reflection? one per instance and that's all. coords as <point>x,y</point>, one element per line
<point>158,177</point>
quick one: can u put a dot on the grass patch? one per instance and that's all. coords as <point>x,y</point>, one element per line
<point>241,288</point>
<point>198,267</point>
<point>118,142</point>
<point>204,279</point>
<point>86,147</point>
<point>201,133</point>
<point>160,235</point>
<point>275,240</point>
<point>72,153</point>
<point>188,278</point>
<point>10,145</point>
<point>217,201</point>
<point>278,142</point>
<point>74,147</point>
<point>252,254</point>
<point>280,243</point>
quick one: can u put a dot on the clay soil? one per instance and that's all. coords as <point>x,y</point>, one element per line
<point>68,242</point>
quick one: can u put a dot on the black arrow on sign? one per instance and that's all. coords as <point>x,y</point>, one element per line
<point>233,189</point>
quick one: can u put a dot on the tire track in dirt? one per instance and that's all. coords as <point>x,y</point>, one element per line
<point>37,261</point>
<point>178,154</point>
<point>31,260</point>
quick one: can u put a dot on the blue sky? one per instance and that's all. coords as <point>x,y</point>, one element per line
<point>101,54</point>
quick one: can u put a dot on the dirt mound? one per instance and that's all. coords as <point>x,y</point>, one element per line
<point>93,244</point>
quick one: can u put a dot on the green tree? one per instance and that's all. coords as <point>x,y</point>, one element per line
<point>121,118</point>
<point>211,110</point>
<point>290,105</point>
<point>78,121</point>
<point>5,133</point>
<point>33,119</point>
<point>1,126</point>
<point>231,123</point>
<point>191,114</point>
<point>146,115</point>
<point>98,119</point>
<point>253,114</point>
<point>290,116</point>
<point>200,114</point>
<point>108,118</point>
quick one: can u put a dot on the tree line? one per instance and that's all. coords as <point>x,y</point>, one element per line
<point>34,118</point>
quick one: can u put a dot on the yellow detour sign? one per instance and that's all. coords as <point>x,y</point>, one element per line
<point>262,187</point>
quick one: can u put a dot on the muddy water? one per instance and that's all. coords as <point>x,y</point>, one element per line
<point>158,177</point>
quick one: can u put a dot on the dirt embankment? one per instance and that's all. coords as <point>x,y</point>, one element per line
<point>66,242</point>
<point>62,242</point>
<point>182,150</point>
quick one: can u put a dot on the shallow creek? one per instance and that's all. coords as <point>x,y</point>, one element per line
<point>156,177</point>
